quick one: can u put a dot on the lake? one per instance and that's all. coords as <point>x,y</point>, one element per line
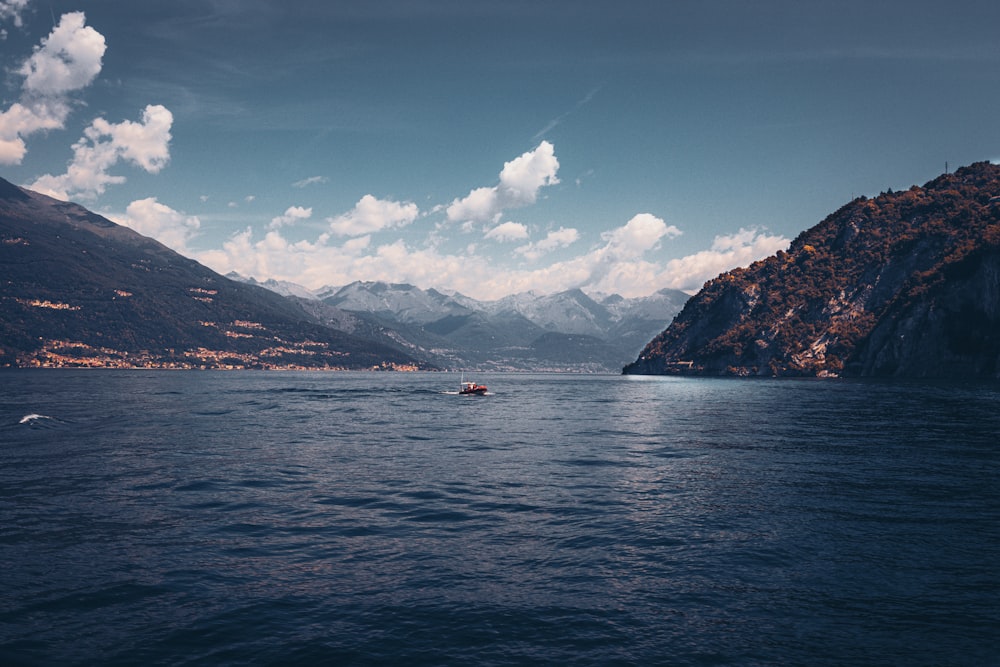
<point>165,518</point>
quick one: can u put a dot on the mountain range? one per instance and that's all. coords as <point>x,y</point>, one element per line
<point>906,284</point>
<point>80,290</point>
<point>565,331</point>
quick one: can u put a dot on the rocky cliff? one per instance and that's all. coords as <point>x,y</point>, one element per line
<point>906,284</point>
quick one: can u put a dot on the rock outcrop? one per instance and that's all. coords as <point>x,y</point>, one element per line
<point>904,285</point>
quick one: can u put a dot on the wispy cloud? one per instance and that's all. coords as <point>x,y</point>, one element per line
<point>312,180</point>
<point>555,122</point>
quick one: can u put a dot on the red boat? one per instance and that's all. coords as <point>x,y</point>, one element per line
<point>473,388</point>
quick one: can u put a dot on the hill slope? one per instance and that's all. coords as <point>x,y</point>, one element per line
<point>906,285</point>
<point>77,289</point>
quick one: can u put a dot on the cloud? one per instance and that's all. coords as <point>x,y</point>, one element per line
<point>640,234</point>
<point>508,231</point>
<point>145,144</point>
<point>372,215</point>
<point>292,215</point>
<point>727,252</point>
<point>555,122</point>
<point>312,180</point>
<point>559,238</point>
<point>12,9</point>
<point>151,218</point>
<point>68,60</point>
<point>620,263</point>
<point>521,179</point>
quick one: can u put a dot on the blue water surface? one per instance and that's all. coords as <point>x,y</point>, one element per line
<point>179,518</point>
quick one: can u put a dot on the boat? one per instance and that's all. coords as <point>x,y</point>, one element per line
<point>472,388</point>
<point>469,388</point>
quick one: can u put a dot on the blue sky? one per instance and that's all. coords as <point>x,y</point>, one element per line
<point>490,147</point>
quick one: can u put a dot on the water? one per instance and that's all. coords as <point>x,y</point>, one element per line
<point>306,518</point>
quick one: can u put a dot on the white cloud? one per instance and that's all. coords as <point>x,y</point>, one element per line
<point>618,264</point>
<point>68,60</point>
<point>372,215</point>
<point>151,218</point>
<point>521,179</point>
<point>524,176</point>
<point>292,215</point>
<point>19,121</point>
<point>12,9</point>
<point>508,231</point>
<point>727,252</point>
<point>559,238</point>
<point>640,234</point>
<point>145,144</point>
<point>312,180</point>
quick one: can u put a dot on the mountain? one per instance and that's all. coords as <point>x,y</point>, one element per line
<point>282,287</point>
<point>567,331</point>
<point>903,285</point>
<point>80,290</point>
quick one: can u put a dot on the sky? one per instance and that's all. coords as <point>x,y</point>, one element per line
<point>490,147</point>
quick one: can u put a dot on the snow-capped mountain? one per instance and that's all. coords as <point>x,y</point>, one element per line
<point>402,302</point>
<point>568,330</point>
<point>282,287</point>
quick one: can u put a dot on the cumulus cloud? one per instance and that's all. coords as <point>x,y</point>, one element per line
<point>151,218</point>
<point>521,179</point>
<point>727,252</point>
<point>145,144</point>
<point>618,264</point>
<point>371,215</point>
<point>68,60</point>
<point>292,215</point>
<point>640,234</point>
<point>319,263</point>
<point>508,231</point>
<point>559,238</point>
